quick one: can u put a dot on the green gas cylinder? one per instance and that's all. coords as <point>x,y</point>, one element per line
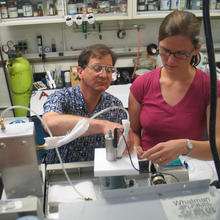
<point>21,81</point>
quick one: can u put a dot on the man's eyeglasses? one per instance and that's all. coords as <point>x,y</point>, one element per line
<point>178,54</point>
<point>98,68</point>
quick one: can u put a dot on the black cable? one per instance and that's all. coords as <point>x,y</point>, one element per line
<point>147,172</point>
<point>213,87</point>
<point>6,79</point>
<point>45,185</point>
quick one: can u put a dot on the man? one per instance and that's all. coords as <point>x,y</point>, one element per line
<point>66,107</point>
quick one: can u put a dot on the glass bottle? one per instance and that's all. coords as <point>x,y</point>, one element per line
<point>20,8</point>
<point>4,9</point>
<point>84,8</point>
<point>123,6</point>
<point>90,8</point>
<point>12,9</point>
<point>35,11</point>
<point>52,9</point>
<point>40,9</point>
<point>27,8</point>
<point>59,7</point>
<point>196,4</point>
<point>72,7</point>
<point>79,4</point>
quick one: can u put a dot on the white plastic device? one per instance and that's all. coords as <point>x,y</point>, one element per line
<point>90,18</point>
<point>78,19</point>
<point>50,82</point>
<point>121,142</point>
<point>69,20</point>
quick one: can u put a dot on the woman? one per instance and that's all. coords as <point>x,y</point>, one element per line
<point>169,107</point>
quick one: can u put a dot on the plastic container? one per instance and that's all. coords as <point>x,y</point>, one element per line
<point>72,8</point>
<point>27,9</point>
<point>3,9</point>
<point>174,4</point>
<point>196,4</point>
<point>182,5</point>
<point>165,5</point>
<point>67,79</point>
<point>123,7</point>
<point>12,9</point>
<point>20,9</point>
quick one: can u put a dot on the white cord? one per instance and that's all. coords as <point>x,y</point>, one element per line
<point>107,109</point>
<point>50,133</point>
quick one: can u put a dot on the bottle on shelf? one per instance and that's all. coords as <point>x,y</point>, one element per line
<point>27,8</point>
<point>90,8</point>
<point>59,7</point>
<point>40,9</point>
<point>4,9</point>
<point>20,8</point>
<point>164,5</point>
<point>35,10</point>
<point>196,5</point>
<point>79,5</point>
<point>174,4</point>
<point>213,4</point>
<point>218,5</point>
<point>141,5</point>
<point>12,9</point>
<point>67,79</point>
<point>84,8</point>
<point>52,9</point>
<point>72,7</point>
<point>123,6</point>
<point>182,4</point>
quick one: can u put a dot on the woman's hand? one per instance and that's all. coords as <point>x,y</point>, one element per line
<point>166,152</point>
<point>140,152</point>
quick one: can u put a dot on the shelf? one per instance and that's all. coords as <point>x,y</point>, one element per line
<point>162,14</point>
<point>128,51</point>
<point>61,19</point>
<point>58,19</point>
<point>131,13</point>
<point>32,20</point>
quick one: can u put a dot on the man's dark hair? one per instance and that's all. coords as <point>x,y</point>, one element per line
<point>95,50</point>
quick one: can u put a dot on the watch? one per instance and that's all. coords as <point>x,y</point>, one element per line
<point>189,147</point>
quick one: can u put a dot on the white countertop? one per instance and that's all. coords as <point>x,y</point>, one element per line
<point>36,104</point>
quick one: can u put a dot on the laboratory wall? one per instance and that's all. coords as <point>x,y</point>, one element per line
<point>73,39</point>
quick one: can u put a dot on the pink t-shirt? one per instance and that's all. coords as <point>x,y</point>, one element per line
<point>161,122</point>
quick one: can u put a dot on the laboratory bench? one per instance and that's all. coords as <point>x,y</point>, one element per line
<point>137,197</point>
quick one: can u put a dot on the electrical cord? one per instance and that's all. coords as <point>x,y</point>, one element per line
<point>138,53</point>
<point>50,134</point>
<point>57,151</point>
<point>147,172</point>
<point>213,88</point>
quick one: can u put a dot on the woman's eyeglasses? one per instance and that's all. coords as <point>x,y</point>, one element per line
<point>178,54</point>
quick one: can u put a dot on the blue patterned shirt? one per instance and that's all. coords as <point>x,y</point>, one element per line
<point>70,101</point>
